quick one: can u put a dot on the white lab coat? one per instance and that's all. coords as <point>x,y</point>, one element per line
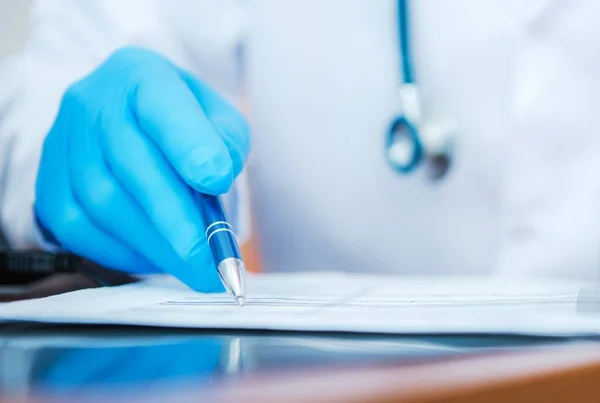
<point>520,78</point>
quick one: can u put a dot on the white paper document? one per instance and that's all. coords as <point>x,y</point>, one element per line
<point>336,302</point>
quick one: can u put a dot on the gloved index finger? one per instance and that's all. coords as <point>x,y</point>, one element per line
<point>226,120</point>
<point>168,112</point>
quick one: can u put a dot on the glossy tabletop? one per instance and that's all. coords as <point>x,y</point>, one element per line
<point>59,363</point>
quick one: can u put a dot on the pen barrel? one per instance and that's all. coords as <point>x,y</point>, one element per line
<point>223,244</point>
<point>219,232</point>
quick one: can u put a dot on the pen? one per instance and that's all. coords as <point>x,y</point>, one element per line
<point>224,247</point>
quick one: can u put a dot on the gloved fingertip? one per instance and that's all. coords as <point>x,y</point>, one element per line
<point>216,185</point>
<point>205,280</point>
<point>210,286</point>
<point>201,273</point>
<point>210,172</point>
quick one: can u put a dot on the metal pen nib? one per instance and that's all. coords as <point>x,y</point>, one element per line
<point>233,276</point>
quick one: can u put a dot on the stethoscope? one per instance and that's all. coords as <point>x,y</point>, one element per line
<point>413,141</point>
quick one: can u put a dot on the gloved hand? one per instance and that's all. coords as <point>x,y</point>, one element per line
<point>131,144</point>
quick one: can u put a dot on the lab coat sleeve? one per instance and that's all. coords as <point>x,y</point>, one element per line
<point>67,39</point>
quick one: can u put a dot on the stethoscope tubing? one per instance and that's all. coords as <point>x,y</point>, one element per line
<point>405,147</point>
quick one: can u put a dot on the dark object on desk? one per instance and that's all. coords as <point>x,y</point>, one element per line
<point>36,274</point>
<point>25,267</point>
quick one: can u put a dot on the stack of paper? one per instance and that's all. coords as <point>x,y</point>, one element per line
<point>336,302</point>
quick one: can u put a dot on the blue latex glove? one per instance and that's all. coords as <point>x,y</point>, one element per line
<point>130,144</point>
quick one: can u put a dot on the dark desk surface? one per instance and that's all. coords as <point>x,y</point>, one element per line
<point>63,362</point>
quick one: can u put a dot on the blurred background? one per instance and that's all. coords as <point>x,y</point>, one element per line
<point>14,22</point>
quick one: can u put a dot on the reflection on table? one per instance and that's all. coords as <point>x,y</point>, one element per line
<point>65,360</point>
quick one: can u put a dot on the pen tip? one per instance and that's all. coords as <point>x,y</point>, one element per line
<point>240,300</point>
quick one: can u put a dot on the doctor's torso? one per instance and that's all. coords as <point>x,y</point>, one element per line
<point>521,80</point>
